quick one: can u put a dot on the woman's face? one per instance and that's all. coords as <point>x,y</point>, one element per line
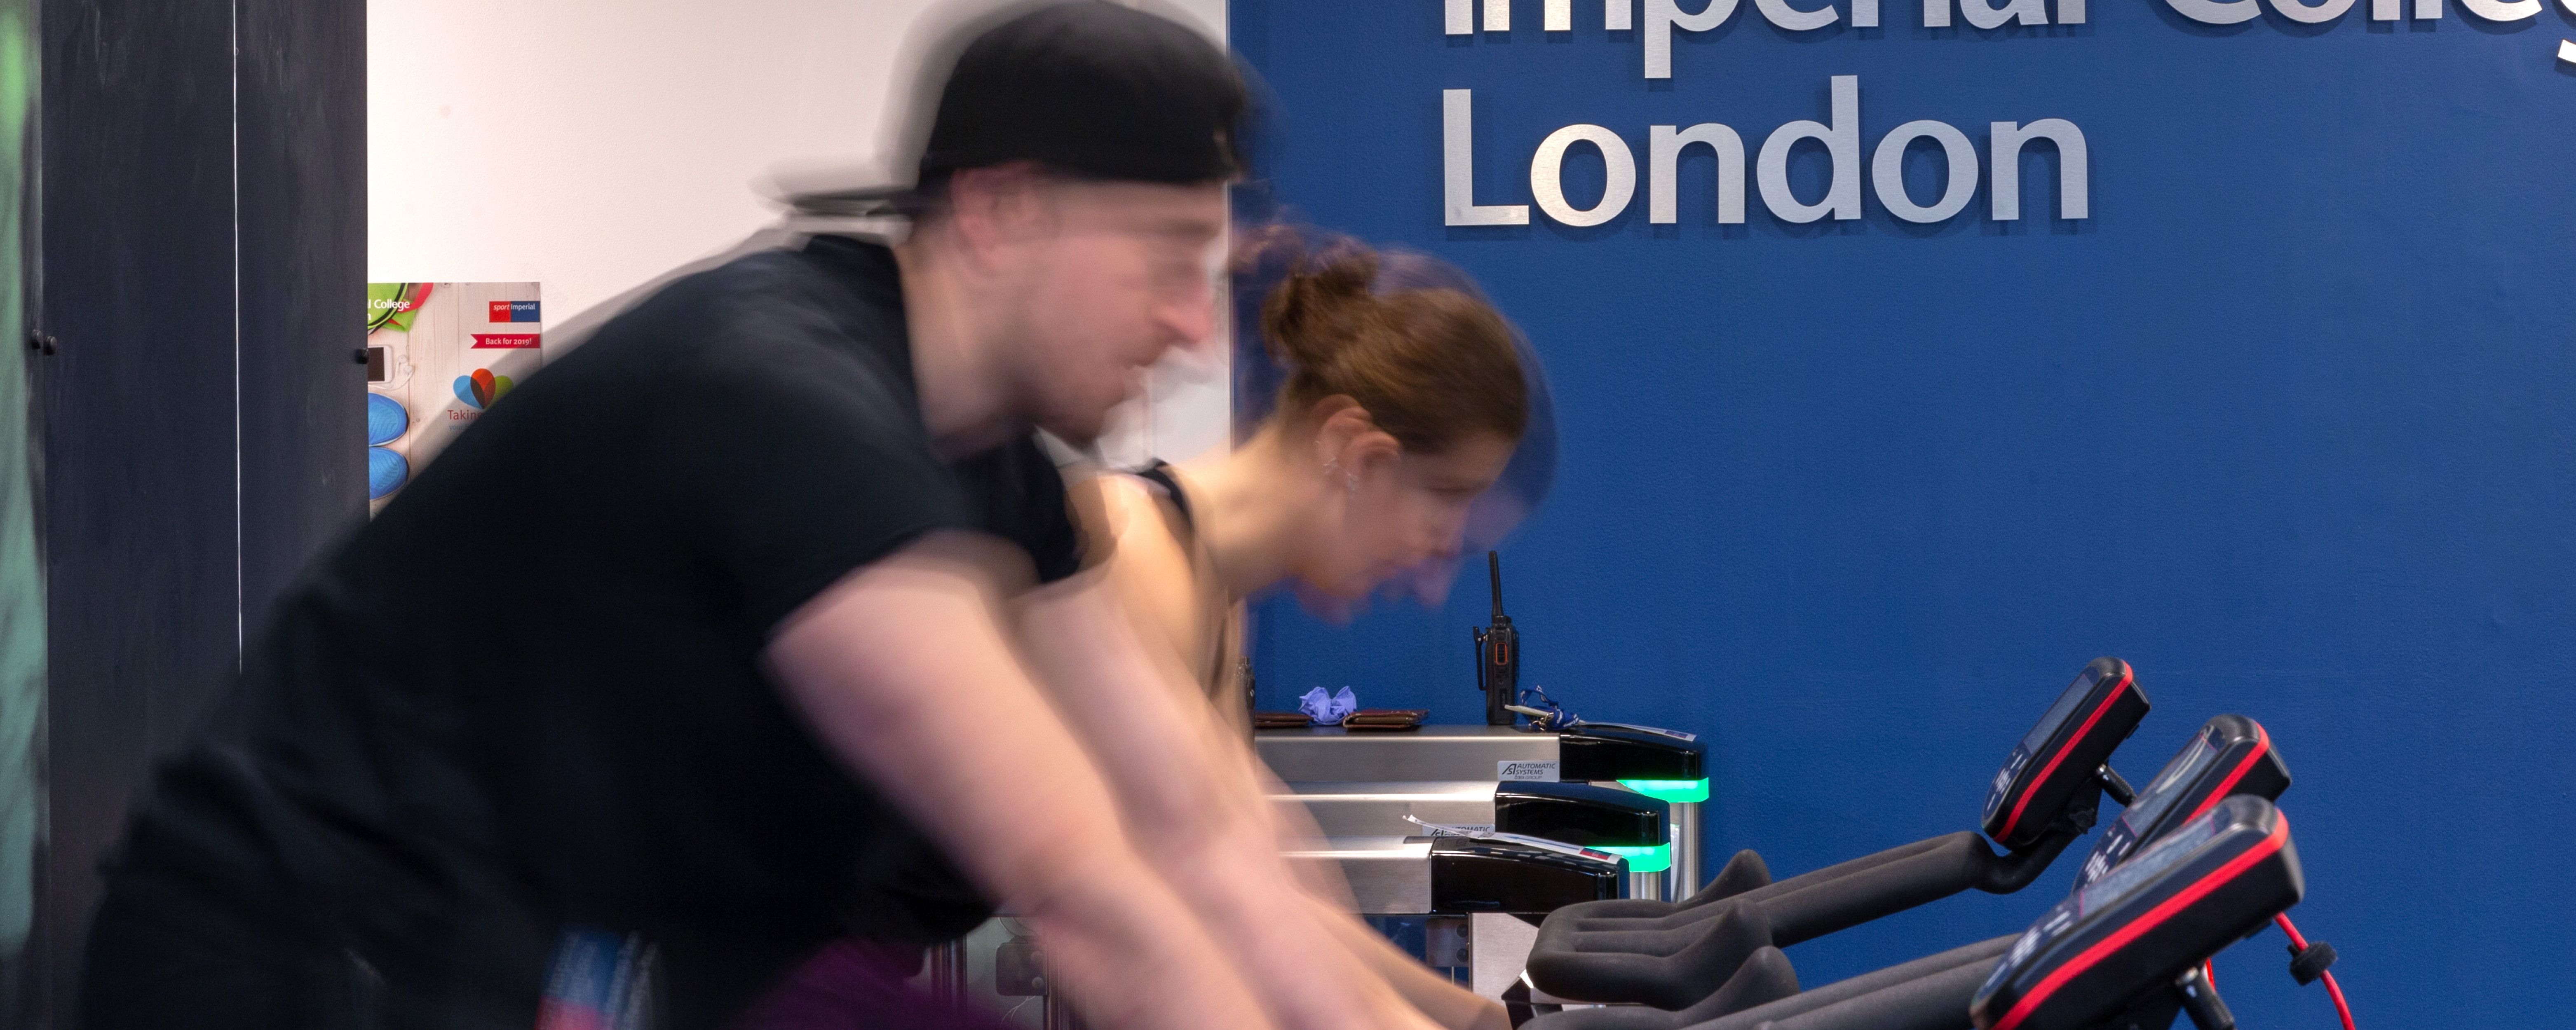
<point>1402,510</point>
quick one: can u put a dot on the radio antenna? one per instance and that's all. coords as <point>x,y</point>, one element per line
<point>1494,569</point>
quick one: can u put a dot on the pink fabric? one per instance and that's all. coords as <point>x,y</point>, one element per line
<point>855,985</point>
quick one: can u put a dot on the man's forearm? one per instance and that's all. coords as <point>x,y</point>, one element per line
<point>903,669</point>
<point>1135,708</point>
<point>1288,946</point>
<point>1193,802</point>
<point>1136,955</point>
<point>1431,994</point>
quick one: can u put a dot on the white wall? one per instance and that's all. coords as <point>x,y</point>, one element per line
<point>594,145</point>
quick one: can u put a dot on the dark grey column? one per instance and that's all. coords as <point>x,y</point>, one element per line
<point>202,255</point>
<point>303,219</point>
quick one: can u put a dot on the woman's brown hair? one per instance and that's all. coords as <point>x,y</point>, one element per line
<point>1431,366</point>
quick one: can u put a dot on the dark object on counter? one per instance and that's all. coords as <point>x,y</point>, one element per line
<point>1498,655</point>
<point>1386,720</point>
<point>1280,721</point>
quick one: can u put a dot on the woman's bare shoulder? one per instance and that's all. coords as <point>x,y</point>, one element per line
<point>1127,523</point>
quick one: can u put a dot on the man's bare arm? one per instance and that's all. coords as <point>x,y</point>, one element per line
<point>1432,994</point>
<point>905,670</point>
<point>1193,801</point>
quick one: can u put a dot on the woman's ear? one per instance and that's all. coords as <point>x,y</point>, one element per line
<point>1339,422</point>
<point>1371,451</point>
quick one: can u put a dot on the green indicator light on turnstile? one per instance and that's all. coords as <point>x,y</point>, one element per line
<point>1675,791</point>
<point>1649,859</point>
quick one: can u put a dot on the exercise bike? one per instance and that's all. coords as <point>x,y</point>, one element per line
<point>1667,954</point>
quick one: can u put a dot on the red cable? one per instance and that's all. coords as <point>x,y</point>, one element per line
<point>2333,989</point>
<point>2283,921</point>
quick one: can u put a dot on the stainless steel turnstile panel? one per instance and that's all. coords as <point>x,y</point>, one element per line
<point>1432,753</point>
<point>1378,809</point>
<point>1364,783</point>
<point>1359,787</point>
<point>1388,875</point>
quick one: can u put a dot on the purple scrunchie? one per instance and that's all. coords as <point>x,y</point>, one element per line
<point>1328,711</point>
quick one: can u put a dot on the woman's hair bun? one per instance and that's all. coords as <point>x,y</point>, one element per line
<point>1322,305</point>
<point>1429,360</point>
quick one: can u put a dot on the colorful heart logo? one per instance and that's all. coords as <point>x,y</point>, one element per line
<point>480,389</point>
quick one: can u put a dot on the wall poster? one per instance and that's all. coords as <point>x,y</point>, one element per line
<point>438,356</point>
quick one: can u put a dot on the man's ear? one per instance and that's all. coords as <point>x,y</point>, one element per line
<point>989,208</point>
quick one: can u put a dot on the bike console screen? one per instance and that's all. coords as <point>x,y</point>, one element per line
<point>2059,757</point>
<point>2173,904</point>
<point>2230,755</point>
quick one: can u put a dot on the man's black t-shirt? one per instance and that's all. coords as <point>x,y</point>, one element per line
<point>529,695</point>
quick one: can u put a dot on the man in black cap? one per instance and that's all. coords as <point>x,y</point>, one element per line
<point>704,648</point>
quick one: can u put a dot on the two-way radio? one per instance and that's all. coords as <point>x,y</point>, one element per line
<point>1498,655</point>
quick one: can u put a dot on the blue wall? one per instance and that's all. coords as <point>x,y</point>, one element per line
<point>2290,423</point>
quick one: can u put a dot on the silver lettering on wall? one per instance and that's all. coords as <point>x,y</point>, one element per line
<point>2326,11</point>
<point>1779,13</point>
<point>1458,166</point>
<point>1842,147</point>
<point>1664,154</point>
<point>1887,171</point>
<point>1987,16</point>
<point>1984,15</point>
<point>2495,10</point>
<point>1619,182</point>
<point>2074,167</point>
<point>2214,12</point>
<point>1667,145</point>
<point>1663,16</point>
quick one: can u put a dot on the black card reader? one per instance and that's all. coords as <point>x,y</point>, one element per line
<point>1498,655</point>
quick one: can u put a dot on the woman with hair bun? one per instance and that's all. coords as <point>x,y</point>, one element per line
<point>1398,407</point>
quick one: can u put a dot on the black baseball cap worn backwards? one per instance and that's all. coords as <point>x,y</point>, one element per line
<point>1092,89</point>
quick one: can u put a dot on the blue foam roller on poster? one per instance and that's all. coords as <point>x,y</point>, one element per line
<point>386,420</point>
<point>386,472</point>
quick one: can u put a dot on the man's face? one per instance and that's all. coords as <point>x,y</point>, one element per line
<point>1124,273</point>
